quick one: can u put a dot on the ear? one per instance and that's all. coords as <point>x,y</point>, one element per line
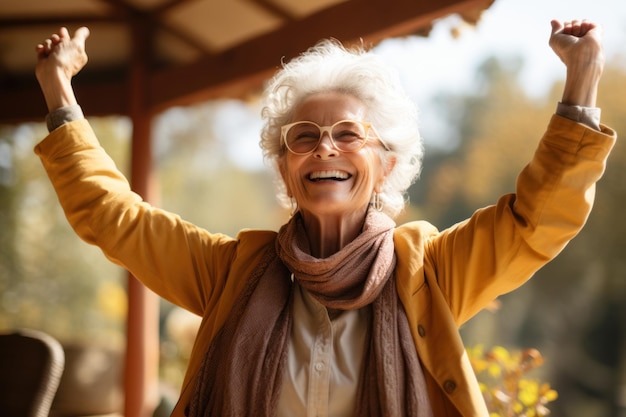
<point>389,164</point>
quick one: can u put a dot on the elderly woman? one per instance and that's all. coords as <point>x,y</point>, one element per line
<point>340,312</point>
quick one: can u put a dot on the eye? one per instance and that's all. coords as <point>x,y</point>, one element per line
<point>303,132</point>
<point>346,135</point>
<point>309,134</point>
<point>348,132</point>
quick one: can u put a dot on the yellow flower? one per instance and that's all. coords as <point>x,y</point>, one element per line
<point>528,392</point>
<point>547,393</point>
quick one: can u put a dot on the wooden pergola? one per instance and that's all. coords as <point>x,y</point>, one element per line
<point>149,55</point>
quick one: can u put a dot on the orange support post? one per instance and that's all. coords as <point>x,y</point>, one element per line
<point>142,334</point>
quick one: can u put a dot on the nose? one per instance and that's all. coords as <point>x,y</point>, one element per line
<point>325,147</point>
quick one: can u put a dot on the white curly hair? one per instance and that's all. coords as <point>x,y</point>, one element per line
<point>329,66</point>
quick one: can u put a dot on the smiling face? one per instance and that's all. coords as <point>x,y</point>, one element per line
<point>328,181</point>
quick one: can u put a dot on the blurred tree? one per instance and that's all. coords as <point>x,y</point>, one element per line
<point>49,279</point>
<point>202,179</point>
<point>9,264</point>
<point>498,132</point>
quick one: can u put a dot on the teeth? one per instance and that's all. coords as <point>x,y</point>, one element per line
<point>322,175</point>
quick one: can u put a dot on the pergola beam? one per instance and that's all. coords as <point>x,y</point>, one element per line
<point>241,69</point>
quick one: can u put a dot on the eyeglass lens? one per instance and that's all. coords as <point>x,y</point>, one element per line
<point>347,135</point>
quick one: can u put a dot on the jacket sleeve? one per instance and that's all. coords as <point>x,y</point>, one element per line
<point>501,246</point>
<point>177,260</point>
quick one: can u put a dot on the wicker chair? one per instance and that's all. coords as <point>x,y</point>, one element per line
<point>31,365</point>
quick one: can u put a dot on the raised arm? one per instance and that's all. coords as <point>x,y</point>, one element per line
<point>59,58</point>
<point>579,45</point>
<point>503,245</point>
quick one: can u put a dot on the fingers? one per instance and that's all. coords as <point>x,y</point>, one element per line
<point>557,26</point>
<point>82,33</point>
<point>572,28</point>
<point>46,47</point>
<point>63,33</point>
<point>577,28</point>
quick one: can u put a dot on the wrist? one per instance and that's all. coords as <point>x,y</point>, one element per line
<point>57,91</point>
<point>581,84</point>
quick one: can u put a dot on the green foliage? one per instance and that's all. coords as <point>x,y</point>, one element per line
<point>506,386</point>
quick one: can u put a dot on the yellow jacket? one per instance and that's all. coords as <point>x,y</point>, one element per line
<point>443,278</point>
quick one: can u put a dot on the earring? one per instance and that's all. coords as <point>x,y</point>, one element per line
<point>378,202</point>
<point>294,207</point>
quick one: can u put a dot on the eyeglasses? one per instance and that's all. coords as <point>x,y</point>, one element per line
<point>302,138</point>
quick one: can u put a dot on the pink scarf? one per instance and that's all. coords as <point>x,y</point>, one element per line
<point>242,371</point>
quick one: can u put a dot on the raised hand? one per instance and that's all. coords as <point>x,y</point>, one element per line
<point>59,58</point>
<point>578,44</point>
<point>578,40</point>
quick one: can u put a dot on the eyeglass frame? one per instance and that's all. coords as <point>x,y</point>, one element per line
<point>328,129</point>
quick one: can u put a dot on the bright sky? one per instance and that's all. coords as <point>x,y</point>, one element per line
<point>442,63</point>
<point>507,28</point>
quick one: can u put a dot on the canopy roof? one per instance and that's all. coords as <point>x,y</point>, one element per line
<point>190,50</point>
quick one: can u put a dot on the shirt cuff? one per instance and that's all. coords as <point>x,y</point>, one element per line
<point>62,115</point>
<point>589,116</point>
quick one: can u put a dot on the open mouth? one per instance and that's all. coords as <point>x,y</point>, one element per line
<point>328,176</point>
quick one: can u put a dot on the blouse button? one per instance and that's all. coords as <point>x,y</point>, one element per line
<point>449,386</point>
<point>421,330</point>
